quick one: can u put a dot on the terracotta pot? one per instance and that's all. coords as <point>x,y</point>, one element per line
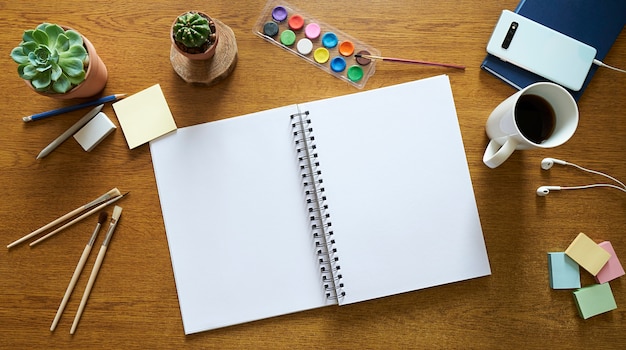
<point>210,51</point>
<point>95,77</point>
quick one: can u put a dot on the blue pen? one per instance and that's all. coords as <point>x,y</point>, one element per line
<point>72,108</point>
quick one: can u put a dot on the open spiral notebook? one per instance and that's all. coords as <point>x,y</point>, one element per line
<point>329,202</point>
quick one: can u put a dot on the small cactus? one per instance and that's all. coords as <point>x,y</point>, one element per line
<point>191,29</point>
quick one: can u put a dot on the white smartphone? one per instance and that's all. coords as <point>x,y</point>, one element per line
<point>541,50</point>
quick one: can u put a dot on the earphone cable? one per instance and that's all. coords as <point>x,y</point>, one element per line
<point>623,187</point>
<point>592,186</point>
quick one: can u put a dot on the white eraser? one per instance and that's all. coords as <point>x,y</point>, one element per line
<point>90,135</point>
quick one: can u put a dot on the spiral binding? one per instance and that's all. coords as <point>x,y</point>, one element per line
<point>321,225</point>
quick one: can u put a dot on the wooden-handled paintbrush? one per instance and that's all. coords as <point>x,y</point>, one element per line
<point>403,60</point>
<point>79,268</point>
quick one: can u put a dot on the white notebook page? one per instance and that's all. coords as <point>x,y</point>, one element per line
<point>399,191</point>
<point>232,203</point>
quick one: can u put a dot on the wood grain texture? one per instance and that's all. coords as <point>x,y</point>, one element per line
<point>133,304</point>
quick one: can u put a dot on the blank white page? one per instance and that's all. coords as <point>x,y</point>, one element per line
<point>399,191</point>
<point>235,217</point>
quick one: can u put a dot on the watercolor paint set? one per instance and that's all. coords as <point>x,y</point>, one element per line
<point>316,42</point>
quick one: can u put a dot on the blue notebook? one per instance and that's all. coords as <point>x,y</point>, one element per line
<point>596,23</point>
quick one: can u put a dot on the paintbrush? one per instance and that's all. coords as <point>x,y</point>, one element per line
<point>110,201</point>
<point>112,193</point>
<point>117,212</point>
<point>81,263</point>
<point>403,60</point>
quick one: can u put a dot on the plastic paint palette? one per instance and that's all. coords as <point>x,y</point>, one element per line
<point>316,42</point>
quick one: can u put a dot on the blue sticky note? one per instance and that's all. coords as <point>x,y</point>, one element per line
<point>594,300</point>
<point>564,272</point>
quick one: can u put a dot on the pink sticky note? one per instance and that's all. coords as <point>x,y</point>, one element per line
<point>613,268</point>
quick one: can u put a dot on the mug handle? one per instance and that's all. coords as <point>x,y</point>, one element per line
<point>495,154</point>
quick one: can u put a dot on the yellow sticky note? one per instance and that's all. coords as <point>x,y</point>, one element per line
<point>144,116</point>
<point>587,253</point>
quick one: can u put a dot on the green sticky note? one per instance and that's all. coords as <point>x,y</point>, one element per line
<point>594,300</point>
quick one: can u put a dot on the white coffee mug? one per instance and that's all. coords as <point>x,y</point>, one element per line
<point>542,115</point>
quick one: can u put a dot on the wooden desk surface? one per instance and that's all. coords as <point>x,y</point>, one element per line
<point>134,303</point>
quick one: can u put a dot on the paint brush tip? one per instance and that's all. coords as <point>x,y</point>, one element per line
<point>103,217</point>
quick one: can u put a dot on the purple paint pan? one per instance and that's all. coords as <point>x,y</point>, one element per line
<point>279,13</point>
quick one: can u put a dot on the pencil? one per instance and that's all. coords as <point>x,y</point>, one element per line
<point>403,60</point>
<point>117,212</point>
<point>101,206</point>
<point>112,193</point>
<point>69,132</point>
<point>79,268</point>
<point>67,109</point>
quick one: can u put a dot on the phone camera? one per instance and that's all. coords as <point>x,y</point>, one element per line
<point>509,35</point>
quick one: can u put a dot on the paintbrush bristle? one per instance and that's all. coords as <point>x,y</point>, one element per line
<point>103,217</point>
<point>114,192</point>
<point>117,211</point>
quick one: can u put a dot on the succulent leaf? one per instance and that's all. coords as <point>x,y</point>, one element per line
<point>75,80</point>
<point>75,38</point>
<point>17,54</point>
<point>62,84</point>
<point>28,36</point>
<point>28,47</point>
<point>42,80</point>
<point>27,72</point>
<point>73,52</point>
<point>55,72</point>
<point>62,43</point>
<point>72,67</point>
<point>40,37</point>
<point>53,31</point>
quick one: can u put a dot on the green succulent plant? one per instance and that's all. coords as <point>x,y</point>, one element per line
<point>51,58</point>
<point>191,29</point>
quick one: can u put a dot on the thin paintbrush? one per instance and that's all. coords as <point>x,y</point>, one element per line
<point>117,212</point>
<point>112,193</point>
<point>81,263</point>
<point>110,201</point>
<point>403,60</point>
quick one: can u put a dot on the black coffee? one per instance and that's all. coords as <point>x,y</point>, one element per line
<point>535,118</point>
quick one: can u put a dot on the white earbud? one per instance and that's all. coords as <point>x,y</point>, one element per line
<point>547,163</point>
<point>544,190</point>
